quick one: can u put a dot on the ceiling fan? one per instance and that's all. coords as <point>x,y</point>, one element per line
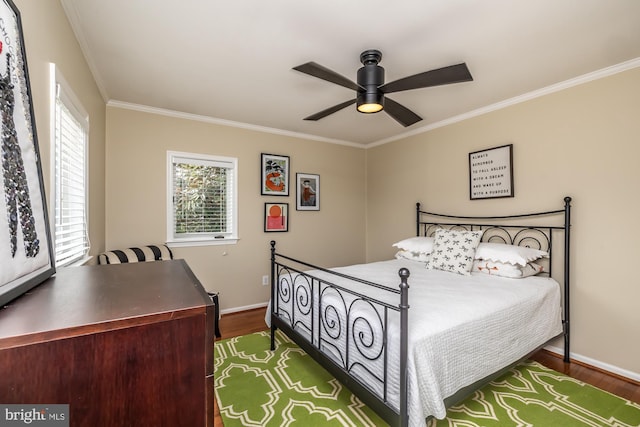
<point>371,89</point>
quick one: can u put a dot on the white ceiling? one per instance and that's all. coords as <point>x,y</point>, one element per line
<point>232,60</point>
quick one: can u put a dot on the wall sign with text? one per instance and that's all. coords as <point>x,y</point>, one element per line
<point>491,173</point>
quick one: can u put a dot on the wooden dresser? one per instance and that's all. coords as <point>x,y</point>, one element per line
<point>123,345</point>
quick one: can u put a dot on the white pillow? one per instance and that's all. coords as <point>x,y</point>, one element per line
<point>503,269</point>
<point>412,256</point>
<point>416,244</point>
<point>512,254</point>
<point>454,250</point>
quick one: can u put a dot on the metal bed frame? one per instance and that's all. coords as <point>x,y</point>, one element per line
<point>300,306</point>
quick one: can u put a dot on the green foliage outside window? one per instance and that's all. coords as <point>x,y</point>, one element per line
<point>200,198</point>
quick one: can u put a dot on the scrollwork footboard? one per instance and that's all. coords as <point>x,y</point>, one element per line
<point>354,335</point>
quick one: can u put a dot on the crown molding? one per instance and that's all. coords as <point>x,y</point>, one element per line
<point>585,78</point>
<point>224,122</point>
<point>576,81</point>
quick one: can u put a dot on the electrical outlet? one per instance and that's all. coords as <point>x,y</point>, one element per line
<point>265,280</point>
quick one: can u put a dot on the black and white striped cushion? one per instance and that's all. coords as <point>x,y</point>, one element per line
<point>137,254</point>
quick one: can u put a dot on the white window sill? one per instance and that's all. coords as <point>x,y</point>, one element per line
<point>208,242</point>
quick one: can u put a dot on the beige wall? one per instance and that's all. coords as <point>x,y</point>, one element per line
<point>581,142</point>
<point>137,143</point>
<point>49,39</point>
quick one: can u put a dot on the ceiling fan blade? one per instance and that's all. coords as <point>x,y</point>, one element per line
<point>317,70</point>
<point>330,110</point>
<point>400,113</point>
<point>441,76</point>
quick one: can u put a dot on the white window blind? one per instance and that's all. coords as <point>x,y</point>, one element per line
<point>203,199</point>
<point>71,237</point>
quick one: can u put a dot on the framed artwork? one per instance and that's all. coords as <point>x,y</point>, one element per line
<point>275,175</point>
<point>276,217</point>
<point>491,173</point>
<point>307,192</point>
<point>26,255</point>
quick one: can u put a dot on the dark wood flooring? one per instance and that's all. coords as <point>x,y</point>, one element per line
<point>250,321</point>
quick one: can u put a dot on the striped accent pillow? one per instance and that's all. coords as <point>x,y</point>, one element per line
<point>136,254</point>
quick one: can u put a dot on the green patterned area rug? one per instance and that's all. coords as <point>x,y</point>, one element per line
<point>257,387</point>
<point>534,395</point>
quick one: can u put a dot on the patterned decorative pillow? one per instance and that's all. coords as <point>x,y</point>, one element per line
<point>454,250</point>
<point>412,256</point>
<point>504,269</point>
<point>512,254</point>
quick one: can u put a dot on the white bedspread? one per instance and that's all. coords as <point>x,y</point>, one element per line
<point>461,328</point>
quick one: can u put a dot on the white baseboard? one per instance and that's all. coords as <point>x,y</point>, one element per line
<point>244,308</point>
<point>598,364</point>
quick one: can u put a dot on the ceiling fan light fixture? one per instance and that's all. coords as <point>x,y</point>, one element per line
<point>370,102</point>
<point>369,108</point>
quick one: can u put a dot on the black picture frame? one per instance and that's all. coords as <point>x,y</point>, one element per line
<point>276,217</point>
<point>491,173</point>
<point>26,253</point>
<point>274,175</point>
<point>307,192</point>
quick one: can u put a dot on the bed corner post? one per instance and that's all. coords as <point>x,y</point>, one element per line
<point>273,294</point>
<point>567,287</point>
<point>404,341</point>
<point>418,219</point>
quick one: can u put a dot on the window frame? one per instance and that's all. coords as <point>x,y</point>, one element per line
<point>202,239</point>
<point>60,89</point>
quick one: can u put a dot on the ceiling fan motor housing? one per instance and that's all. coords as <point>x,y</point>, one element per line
<point>370,77</point>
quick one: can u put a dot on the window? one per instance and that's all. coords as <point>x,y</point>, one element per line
<point>70,130</point>
<point>202,195</point>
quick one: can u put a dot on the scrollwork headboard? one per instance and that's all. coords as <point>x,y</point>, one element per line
<point>545,230</point>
